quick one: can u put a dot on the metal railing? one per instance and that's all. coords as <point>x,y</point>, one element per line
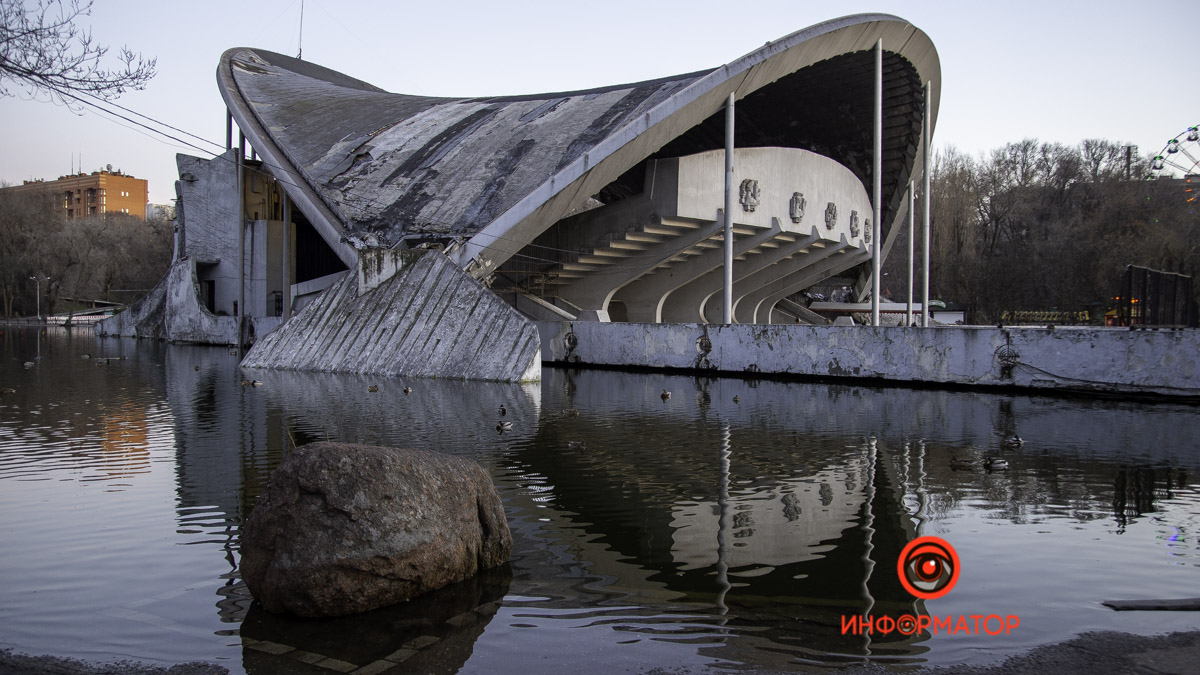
<point>1156,298</point>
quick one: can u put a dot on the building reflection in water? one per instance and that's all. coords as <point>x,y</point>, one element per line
<point>751,527</point>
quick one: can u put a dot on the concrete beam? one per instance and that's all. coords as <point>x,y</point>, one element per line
<point>595,290</point>
<point>644,297</point>
<point>750,290</point>
<point>790,267</point>
<point>830,261</point>
<point>832,267</point>
<point>699,296</point>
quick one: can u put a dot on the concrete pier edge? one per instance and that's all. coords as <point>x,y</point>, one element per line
<point>1097,362</point>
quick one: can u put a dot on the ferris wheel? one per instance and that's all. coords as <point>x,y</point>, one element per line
<point>1179,158</point>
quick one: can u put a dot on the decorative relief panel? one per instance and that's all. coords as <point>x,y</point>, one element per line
<point>748,194</point>
<point>830,216</point>
<point>854,231</point>
<point>796,206</point>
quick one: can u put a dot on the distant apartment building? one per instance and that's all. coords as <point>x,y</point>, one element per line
<point>160,211</point>
<point>93,194</point>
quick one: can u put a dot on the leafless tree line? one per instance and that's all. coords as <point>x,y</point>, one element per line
<point>116,257</point>
<point>1034,226</point>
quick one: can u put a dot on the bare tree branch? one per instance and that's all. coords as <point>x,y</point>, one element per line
<point>44,52</point>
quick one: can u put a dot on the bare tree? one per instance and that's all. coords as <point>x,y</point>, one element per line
<point>43,51</point>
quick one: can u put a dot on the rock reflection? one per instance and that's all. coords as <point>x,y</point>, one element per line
<point>433,633</point>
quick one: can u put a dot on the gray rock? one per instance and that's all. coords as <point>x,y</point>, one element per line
<point>346,528</point>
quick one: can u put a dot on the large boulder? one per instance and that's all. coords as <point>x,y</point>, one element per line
<point>346,528</point>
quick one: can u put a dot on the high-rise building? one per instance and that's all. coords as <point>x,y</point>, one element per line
<point>93,194</point>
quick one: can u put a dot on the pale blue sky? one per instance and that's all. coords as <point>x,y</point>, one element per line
<point>1053,70</point>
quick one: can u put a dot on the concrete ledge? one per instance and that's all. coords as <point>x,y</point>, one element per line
<point>1103,360</point>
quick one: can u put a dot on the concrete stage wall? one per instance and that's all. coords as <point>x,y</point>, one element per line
<point>1117,361</point>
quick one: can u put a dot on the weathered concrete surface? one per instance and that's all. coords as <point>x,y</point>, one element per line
<point>342,529</point>
<point>1163,363</point>
<point>429,320</point>
<point>142,319</point>
<point>186,320</point>
<point>172,311</point>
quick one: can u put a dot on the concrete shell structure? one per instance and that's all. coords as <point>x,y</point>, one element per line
<point>492,179</point>
<point>587,205</point>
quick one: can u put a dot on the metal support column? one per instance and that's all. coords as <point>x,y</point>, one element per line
<point>912,231</point>
<point>925,206</point>
<point>228,130</point>
<point>239,210</point>
<point>877,187</point>
<point>729,210</point>
<point>287,256</point>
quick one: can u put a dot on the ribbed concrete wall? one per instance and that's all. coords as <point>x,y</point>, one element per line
<point>1113,361</point>
<point>430,320</point>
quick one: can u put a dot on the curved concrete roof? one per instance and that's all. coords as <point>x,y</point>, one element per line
<point>370,167</point>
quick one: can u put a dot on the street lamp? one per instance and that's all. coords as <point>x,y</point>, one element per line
<point>38,297</point>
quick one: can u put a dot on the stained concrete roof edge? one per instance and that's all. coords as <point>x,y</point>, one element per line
<point>326,220</point>
<point>500,229</point>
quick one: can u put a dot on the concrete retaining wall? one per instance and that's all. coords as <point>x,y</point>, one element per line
<point>1142,362</point>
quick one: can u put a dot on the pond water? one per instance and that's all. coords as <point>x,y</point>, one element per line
<point>694,532</point>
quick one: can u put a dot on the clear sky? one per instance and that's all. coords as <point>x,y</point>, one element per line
<point>1055,70</point>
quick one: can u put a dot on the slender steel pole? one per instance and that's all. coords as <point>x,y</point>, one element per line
<point>877,187</point>
<point>228,130</point>
<point>287,256</point>
<point>729,209</point>
<point>241,236</point>
<point>925,206</point>
<point>912,231</point>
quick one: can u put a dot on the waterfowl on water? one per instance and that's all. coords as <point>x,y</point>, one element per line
<point>197,367</point>
<point>29,364</point>
<point>85,356</point>
<point>8,390</point>
<point>373,388</point>
<point>735,398</point>
<point>407,390</point>
<point>1013,441</point>
<point>503,410</point>
<point>256,383</point>
<point>571,412</point>
<point>576,445</point>
<point>992,463</point>
<point>503,426</point>
<point>665,395</point>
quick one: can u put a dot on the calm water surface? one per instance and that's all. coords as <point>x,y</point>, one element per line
<point>696,532</point>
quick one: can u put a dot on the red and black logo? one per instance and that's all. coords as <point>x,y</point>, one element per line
<point>928,567</point>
